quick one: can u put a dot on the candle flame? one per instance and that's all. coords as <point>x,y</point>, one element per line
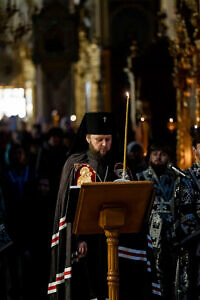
<point>127,94</point>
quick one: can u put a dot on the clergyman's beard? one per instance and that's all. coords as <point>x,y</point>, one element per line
<point>97,155</point>
<point>159,169</point>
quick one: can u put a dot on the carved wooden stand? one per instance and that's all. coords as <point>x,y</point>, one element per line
<point>119,208</point>
<point>111,219</point>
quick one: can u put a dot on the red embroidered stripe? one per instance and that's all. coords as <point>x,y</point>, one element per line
<point>55,239</point>
<point>51,287</point>
<point>62,223</point>
<point>67,272</point>
<point>58,278</point>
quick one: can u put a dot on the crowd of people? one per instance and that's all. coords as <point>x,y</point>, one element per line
<point>31,162</point>
<point>41,258</point>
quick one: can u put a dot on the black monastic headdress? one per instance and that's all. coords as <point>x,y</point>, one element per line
<point>98,123</point>
<point>92,123</point>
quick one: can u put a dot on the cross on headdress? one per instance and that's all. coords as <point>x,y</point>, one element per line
<point>99,123</point>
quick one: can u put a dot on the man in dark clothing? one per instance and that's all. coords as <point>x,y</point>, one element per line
<point>161,220</point>
<point>5,245</point>
<point>51,158</point>
<point>75,275</point>
<point>187,229</point>
<point>17,184</point>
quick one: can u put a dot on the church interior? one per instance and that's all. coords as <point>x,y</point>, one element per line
<point>62,58</point>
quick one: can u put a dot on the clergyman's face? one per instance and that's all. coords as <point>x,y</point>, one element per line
<point>99,144</point>
<point>158,158</point>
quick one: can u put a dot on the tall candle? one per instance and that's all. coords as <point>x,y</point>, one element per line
<point>125,135</point>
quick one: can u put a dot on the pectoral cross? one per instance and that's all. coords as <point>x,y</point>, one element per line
<point>104,119</point>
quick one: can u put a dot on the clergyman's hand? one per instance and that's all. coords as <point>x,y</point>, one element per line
<point>82,249</point>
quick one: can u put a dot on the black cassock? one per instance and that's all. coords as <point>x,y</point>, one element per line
<point>72,278</point>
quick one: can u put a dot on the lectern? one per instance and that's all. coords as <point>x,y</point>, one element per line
<point>113,208</point>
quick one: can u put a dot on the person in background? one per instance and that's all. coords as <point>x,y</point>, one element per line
<point>68,139</point>
<point>161,218</point>
<point>187,228</point>
<point>35,143</point>
<point>69,133</point>
<point>51,158</point>
<point>135,158</point>
<point>23,134</point>
<point>36,132</point>
<point>5,137</point>
<point>17,184</point>
<point>5,245</point>
<point>67,126</point>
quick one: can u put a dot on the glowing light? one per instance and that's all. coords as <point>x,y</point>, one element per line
<point>171,125</point>
<point>189,80</point>
<point>73,118</point>
<point>186,94</point>
<point>142,119</point>
<point>13,102</point>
